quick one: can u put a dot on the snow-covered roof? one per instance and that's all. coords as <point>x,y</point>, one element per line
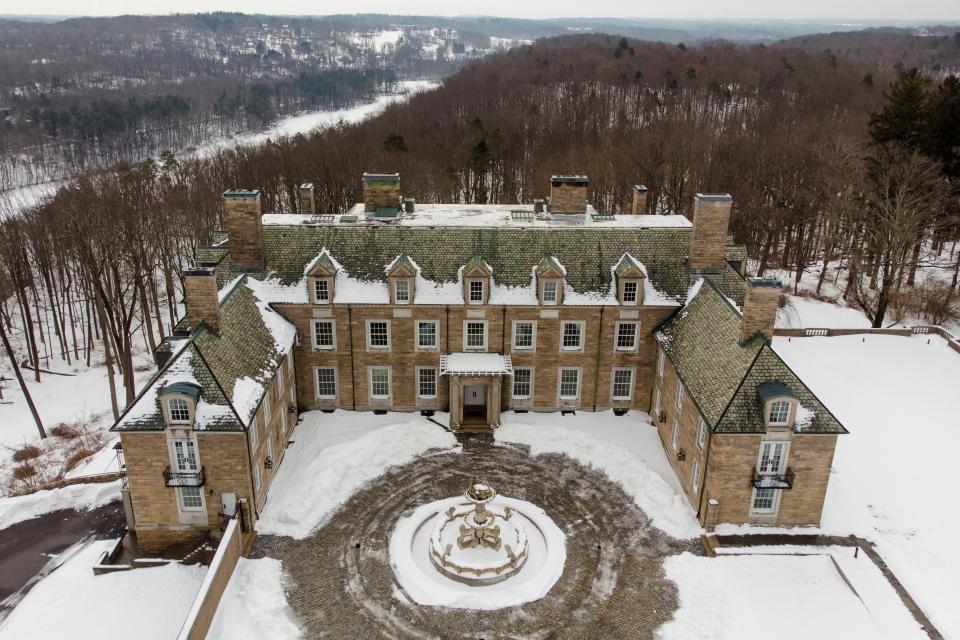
<point>475,364</point>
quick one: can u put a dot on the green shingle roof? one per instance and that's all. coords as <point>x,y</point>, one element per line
<point>722,377</point>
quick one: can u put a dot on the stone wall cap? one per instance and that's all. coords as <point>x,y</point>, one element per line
<point>199,271</point>
<point>306,186</point>
<point>714,197</point>
<point>388,178</point>
<point>639,188</point>
<point>764,282</point>
<point>558,180</point>
<point>241,193</point>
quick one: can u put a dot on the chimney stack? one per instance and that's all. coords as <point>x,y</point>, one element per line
<point>244,231</point>
<point>639,200</point>
<point>568,194</point>
<point>760,308</point>
<point>708,240</point>
<point>307,198</point>
<point>201,297</point>
<point>381,191</point>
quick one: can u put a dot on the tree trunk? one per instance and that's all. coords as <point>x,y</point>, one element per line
<point>23,384</point>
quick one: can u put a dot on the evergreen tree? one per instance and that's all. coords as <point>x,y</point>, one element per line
<point>944,131</point>
<point>905,117</point>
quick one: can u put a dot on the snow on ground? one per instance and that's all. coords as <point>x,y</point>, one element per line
<point>810,313</point>
<point>72,602</point>
<point>787,597</point>
<point>78,496</point>
<point>898,398</point>
<point>333,456</point>
<point>253,606</point>
<point>626,448</point>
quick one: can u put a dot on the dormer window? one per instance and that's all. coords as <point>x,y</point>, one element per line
<point>778,403</point>
<point>779,413</point>
<point>179,410</point>
<point>321,273</point>
<point>321,291</point>
<point>629,280</point>
<point>476,281</point>
<point>550,292</point>
<point>401,291</point>
<point>550,276</point>
<point>400,275</point>
<point>630,292</point>
<point>476,292</point>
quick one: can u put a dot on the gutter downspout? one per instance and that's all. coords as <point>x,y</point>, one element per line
<point>353,371</point>
<point>596,368</point>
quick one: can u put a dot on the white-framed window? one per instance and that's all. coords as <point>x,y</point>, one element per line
<point>266,408</point>
<point>401,291</point>
<point>185,457</point>
<point>380,382</point>
<point>326,378</point>
<point>254,433</point>
<point>630,292</point>
<point>428,335</point>
<point>524,335</point>
<point>550,292</point>
<point>474,335</point>
<point>293,402</point>
<point>622,384</point>
<point>475,289</point>
<point>270,447</point>
<point>779,412</point>
<point>522,383</point>
<point>675,435</point>
<point>773,458</point>
<point>378,334</point>
<point>290,363</point>
<point>179,410</point>
<point>679,395</point>
<point>660,358</point>
<point>695,478</point>
<point>656,402</point>
<point>701,434</point>
<point>256,476</point>
<point>191,498</point>
<point>569,384</point>
<point>324,334</point>
<point>626,336</point>
<point>321,291</point>
<point>571,335</point>
<point>764,501</point>
<point>426,382</point>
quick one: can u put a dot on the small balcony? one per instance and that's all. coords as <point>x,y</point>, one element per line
<point>183,478</point>
<point>773,481</point>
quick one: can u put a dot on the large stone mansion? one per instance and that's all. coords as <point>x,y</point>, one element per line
<point>469,311</point>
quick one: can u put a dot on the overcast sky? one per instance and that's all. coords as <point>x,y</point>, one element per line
<point>831,9</point>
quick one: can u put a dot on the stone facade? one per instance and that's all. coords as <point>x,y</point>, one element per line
<point>306,198</point>
<point>760,308</point>
<point>639,205</point>
<point>381,190</point>
<point>201,297</point>
<point>711,217</point>
<point>568,194</point>
<point>244,232</point>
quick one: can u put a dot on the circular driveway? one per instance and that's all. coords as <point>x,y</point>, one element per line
<point>340,583</point>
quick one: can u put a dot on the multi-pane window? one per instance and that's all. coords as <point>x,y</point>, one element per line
<point>550,292</point>
<point>763,500</point>
<point>695,478</point>
<point>779,412</point>
<point>701,434</point>
<point>256,476</point>
<point>675,435</point>
<point>321,291</point>
<point>523,335</point>
<point>571,338</point>
<point>772,455</point>
<point>185,455</point>
<point>427,334</point>
<point>679,395</point>
<point>191,498</point>
<point>659,364</point>
<point>622,384</point>
<point>266,408</point>
<point>522,383</point>
<point>378,334</point>
<point>401,291</point>
<point>656,401</point>
<point>427,382</point>
<point>323,334</point>
<point>179,410</point>
<point>626,336</point>
<point>326,382</point>
<point>476,291</point>
<point>475,335</point>
<point>379,382</point>
<point>569,383</point>
<point>254,432</point>
<point>629,291</point>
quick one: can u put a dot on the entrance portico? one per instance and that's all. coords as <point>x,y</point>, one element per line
<point>476,382</point>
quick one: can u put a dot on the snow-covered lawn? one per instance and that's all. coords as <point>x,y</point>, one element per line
<point>894,475</point>
<point>16,509</point>
<point>333,455</point>
<point>73,603</point>
<point>785,596</point>
<point>626,448</point>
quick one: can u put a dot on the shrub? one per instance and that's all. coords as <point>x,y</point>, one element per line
<point>26,452</point>
<point>932,300</point>
<point>65,431</point>
<point>24,472</point>
<point>76,457</point>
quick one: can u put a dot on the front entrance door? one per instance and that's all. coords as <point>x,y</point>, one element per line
<point>475,401</point>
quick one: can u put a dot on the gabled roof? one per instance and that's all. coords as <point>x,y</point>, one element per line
<point>402,265</point>
<point>724,378</point>
<point>321,265</point>
<point>550,265</point>
<point>475,265</point>
<point>629,267</point>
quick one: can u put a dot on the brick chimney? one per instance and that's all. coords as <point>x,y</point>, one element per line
<point>307,198</point>
<point>760,308</point>
<point>201,298</point>
<point>639,207</point>
<point>380,191</point>
<point>568,194</point>
<point>244,231</point>
<point>708,240</point>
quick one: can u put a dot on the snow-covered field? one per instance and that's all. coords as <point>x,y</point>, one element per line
<point>147,604</point>
<point>899,399</point>
<point>16,509</point>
